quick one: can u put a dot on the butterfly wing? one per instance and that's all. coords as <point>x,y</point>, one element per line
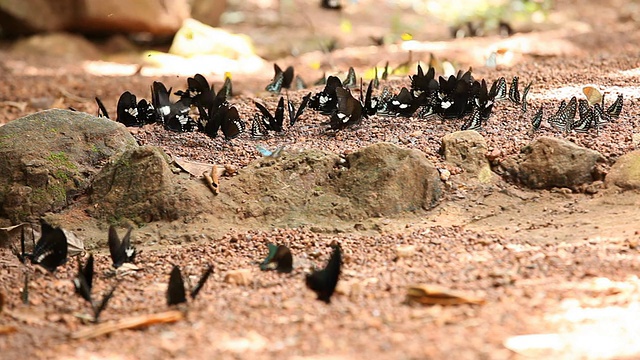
<point>525,92</point>
<point>160,100</point>
<point>278,81</point>
<point>287,77</point>
<point>257,128</point>
<point>175,291</point>
<point>474,122</point>
<point>278,119</point>
<point>268,120</point>
<point>323,282</point>
<point>349,110</point>
<point>514,93</point>
<point>102,111</point>
<point>232,125</point>
<point>51,249</point>
<point>616,108</point>
<point>351,80</point>
<point>201,282</point>
<point>84,279</point>
<point>536,121</point>
<point>127,110</point>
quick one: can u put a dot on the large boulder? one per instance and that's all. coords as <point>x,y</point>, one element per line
<point>625,173</point>
<point>314,187</point>
<point>549,162</point>
<point>139,185</point>
<point>19,17</point>
<point>48,158</point>
<point>467,150</point>
<point>384,179</point>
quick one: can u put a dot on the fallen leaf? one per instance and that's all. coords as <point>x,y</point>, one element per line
<point>135,322</point>
<point>434,294</point>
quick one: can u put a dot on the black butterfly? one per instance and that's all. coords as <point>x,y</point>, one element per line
<point>257,127</point>
<point>536,121</point>
<point>330,4</point>
<point>293,114</point>
<point>281,79</point>
<point>483,101</point>
<point>121,251</point>
<point>498,90</point>
<point>323,282</point>
<point>176,293</point>
<point>370,103</point>
<point>600,117</point>
<point>326,101</point>
<point>404,104</point>
<point>102,111</point>
<point>616,108</point>
<point>385,73</point>
<point>523,101</point>
<point>351,80</point>
<point>349,110</point>
<point>51,249</point>
<point>198,93</point>
<point>272,122</point>
<point>454,97</point>
<point>424,83</point>
<point>174,116</point>
<point>474,122</point>
<point>585,113</point>
<point>514,93</point>
<point>130,112</point>
<point>227,119</point>
<point>83,284</point>
<point>300,84</point>
<point>279,259</point>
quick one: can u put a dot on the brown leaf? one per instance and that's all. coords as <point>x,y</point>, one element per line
<point>434,294</point>
<point>129,323</point>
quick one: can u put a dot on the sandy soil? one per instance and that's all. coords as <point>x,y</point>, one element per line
<point>546,262</point>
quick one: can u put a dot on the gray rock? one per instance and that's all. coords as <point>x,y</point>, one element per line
<point>625,173</point>
<point>48,158</point>
<point>549,162</point>
<point>467,150</point>
<point>384,179</point>
<point>139,186</point>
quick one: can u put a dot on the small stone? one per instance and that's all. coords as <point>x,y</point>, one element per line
<point>444,174</point>
<point>405,251</point>
<point>239,277</point>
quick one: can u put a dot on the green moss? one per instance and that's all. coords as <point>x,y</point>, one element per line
<point>61,159</point>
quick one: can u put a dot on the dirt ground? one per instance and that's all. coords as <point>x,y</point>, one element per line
<point>555,265</point>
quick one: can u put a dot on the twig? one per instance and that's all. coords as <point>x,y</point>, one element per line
<point>129,323</point>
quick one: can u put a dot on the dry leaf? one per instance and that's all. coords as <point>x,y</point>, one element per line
<point>594,96</point>
<point>212,180</point>
<point>434,294</point>
<point>192,167</point>
<point>4,330</point>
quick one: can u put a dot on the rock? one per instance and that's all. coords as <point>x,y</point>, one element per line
<point>20,17</point>
<point>383,179</point>
<point>625,173</point>
<point>139,186</point>
<point>405,251</point>
<point>467,150</point>
<point>239,277</point>
<point>157,17</point>
<point>47,159</point>
<point>208,11</point>
<point>313,187</point>
<point>60,45</point>
<point>549,162</point>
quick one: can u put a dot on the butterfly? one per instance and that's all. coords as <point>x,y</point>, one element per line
<point>422,82</point>
<point>293,114</point>
<point>83,284</point>
<point>594,96</point>
<point>404,104</point>
<point>498,90</point>
<point>174,116</point>
<point>585,113</point>
<point>474,122</point>
<point>454,97</point>
<point>350,80</point>
<point>279,259</point>
<point>616,108</point>
<point>536,121</point>
<point>51,249</point>
<point>272,122</point>
<point>323,282</point>
<point>600,117</point>
<point>176,293</point>
<point>268,153</point>
<point>514,93</point>
<point>130,112</point>
<point>257,127</point>
<point>330,4</point>
<point>227,119</point>
<point>121,251</point>
<point>523,101</point>
<point>102,111</point>
<point>557,120</point>
<point>349,110</point>
<point>483,102</point>
<point>198,92</point>
<point>300,84</point>
<point>281,79</point>
<point>385,73</point>
<point>326,100</point>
